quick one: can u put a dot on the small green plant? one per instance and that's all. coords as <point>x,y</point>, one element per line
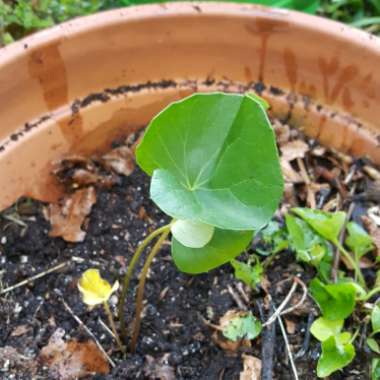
<point>215,172</point>
<point>97,291</point>
<point>245,326</point>
<point>193,150</point>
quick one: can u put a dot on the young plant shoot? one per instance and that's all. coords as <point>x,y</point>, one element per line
<point>97,291</point>
<point>215,171</point>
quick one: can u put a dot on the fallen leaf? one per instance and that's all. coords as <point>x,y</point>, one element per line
<point>251,368</point>
<point>20,330</point>
<point>72,360</point>
<point>294,149</point>
<point>158,369</point>
<point>77,171</point>
<point>83,177</point>
<point>282,132</point>
<point>290,175</point>
<point>290,326</point>
<point>66,219</point>
<point>121,160</point>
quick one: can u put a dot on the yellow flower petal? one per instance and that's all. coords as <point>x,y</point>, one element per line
<point>95,290</point>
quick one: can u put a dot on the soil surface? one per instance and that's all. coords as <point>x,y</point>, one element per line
<point>177,340</point>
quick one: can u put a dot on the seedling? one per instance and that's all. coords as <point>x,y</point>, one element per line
<point>215,171</point>
<point>245,326</point>
<point>97,291</point>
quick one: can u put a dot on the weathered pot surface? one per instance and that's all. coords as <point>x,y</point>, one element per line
<point>76,87</point>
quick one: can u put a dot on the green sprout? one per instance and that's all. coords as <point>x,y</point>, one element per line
<point>215,171</point>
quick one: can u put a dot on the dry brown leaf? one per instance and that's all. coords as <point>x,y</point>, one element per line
<point>83,177</point>
<point>121,160</point>
<point>66,219</point>
<point>290,175</point>
<point>72,360</point>
<point>158,369</point>
<point>20,330</point>
<point>251,368</point>
<point>294,149</point>
<point>78,171</point>
<point>282,132</point>
<point>290,326</point>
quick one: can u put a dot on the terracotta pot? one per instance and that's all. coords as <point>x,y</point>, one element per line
<point>74,88</point>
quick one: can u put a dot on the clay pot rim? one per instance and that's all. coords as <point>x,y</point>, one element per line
<point>87,24</point>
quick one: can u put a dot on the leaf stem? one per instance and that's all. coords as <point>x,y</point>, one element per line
<point>370,294</point>
<point>140,290</point>
<point>128,275</point>
<point>355,335</point>
<point>352,262</point>
<point>113,326</point>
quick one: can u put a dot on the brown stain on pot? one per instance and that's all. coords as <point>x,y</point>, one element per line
<point>347,75</point>
<point>265,28</point>
<point>71,128</point>
<point>330,70</point>
<point>46,65</point>
<point>347,99</point>
<point>291,67</point>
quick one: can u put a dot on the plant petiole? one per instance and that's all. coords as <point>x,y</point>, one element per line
<point>141,287</point>
<point>352,262</point>
<point>370,294</point>
<point>128,275</point>
<point>113,326</point>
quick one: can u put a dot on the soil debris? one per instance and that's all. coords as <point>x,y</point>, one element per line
<point>67,218</point>
<point>72,359</point>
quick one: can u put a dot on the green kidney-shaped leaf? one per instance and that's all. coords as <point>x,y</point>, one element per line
<point>337,352</point>
<point>358,240</point>
<point>309,247</point>
<point>243,327</point>
<point>323,328</point>
<point>214,160</point>
<point>337,301</point>
<point>223,247</point>
<point>326,224</point>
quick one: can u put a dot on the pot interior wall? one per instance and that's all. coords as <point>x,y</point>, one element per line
<point>76,87</point>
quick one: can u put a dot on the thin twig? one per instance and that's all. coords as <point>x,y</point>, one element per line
<point>306,341</point>
<point>240,288</point>
<point>290,355</point>
<point>236,298</point>
<point>268,346</point>
<point>106,328</point>
<point>284,303</point>
<point>85,328</point>
<point>35,277</point>
<point>301,301</point>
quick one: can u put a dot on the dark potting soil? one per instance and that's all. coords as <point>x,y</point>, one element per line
<point>174,339</point>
